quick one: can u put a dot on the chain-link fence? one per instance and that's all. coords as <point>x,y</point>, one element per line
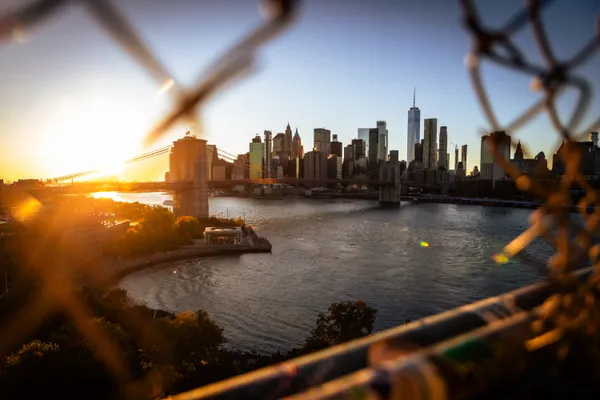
<point>568,319</point>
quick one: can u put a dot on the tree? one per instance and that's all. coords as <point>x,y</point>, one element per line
<point>187,227</point>
<point>195,338</point>
<point>194,344</point>
<point>45,369</point>
<point>344,321</point>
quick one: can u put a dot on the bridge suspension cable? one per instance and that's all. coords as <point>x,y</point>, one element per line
<point>141,157</point>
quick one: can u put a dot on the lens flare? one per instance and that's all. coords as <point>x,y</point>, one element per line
<point>27,209</point>
<point>500,258</point>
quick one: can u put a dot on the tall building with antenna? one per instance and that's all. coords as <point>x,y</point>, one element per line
<point>413,134</point>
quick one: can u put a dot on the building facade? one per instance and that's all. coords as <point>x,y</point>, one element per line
<point>322,140</point>
<point>418,161</point>
<point>336,146</point>
<point>334,167</point>
<point>443,148</point>
<point>594,138</point>
<point>240,165</point>
<point>268,154</point>
<point>373,154</point>
<point>360,148</point>
<point>257,150</point>
<point>382,150</point>
<point>219,170</point>
<point>315,165</point>
<point>430,143</point>
<point>287,141</point>
<point>211,155</point>
<point>455,157</point>
<point>349,153</point>
<point>278,144</point>
<point>463,156</point>
<point>363,134</point>
<point>297,149</point>
<point>490,167</point>
<point>589,164</point>
<point>413,133</point>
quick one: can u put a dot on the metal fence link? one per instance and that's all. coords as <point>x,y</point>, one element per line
<point>570,314</point>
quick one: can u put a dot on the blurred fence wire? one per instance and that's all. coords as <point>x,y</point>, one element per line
<point>568,311</point>
<point>568,316</point>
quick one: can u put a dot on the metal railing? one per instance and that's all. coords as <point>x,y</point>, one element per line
<point>532,327</point>
<point>309,371</point>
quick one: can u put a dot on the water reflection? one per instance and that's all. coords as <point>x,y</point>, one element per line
<point>332,251</point>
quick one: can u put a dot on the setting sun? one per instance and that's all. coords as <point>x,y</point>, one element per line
<point>90,133</point>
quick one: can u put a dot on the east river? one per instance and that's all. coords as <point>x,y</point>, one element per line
<point>326,251</point>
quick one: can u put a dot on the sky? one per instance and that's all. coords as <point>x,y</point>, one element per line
<point>73,100</point>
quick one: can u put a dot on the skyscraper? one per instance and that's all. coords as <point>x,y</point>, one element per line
<point>239,167</point>
<point>349,153</point>
<point>336,147</point>
<point>463,156</point>
<point>287,141</point>
<point>278,144</point>
<point>323,140</point>
<point>383,141</point>
<point>455,157</point>
<point>594,138</point>
<point>430,143</point>
<point>419,155</point>
<point>518,152</point>
<point>413,134</point>
<point>363,133</point>
<point>443,148</point>
<point>348,162</point>
<point>490,168</point>
<point>257,150</point>
<point>373,147</point>
<point>360,148</point>
<point>297,150</point>
<point>315,165</point>
<point>334,167</point>
<point>268,154</point>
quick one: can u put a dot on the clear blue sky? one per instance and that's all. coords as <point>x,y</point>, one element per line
<point>72,100</point>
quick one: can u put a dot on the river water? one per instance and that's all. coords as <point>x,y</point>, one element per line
<point>326,251</point>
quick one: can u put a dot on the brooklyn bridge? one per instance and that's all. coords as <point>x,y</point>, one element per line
<point>189,163</point>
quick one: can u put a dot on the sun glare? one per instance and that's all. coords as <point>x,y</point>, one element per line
<point>107,195</point>
<point>113,171</point>
<point>90,133</point>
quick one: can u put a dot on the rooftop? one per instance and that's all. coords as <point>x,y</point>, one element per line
<point>223,229</point>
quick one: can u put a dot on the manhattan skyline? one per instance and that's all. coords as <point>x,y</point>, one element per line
<point>74,102</point>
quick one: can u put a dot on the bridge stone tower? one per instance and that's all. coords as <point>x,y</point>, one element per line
<point>389,172</point>
<point>188,165</point>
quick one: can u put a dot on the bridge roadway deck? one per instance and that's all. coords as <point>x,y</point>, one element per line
<point>163,186</point>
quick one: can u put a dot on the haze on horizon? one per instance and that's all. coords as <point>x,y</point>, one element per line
<point>72,100</point>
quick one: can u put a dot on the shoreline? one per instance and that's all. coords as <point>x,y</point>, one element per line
<point>117,269</point>
<point>473,201</point>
